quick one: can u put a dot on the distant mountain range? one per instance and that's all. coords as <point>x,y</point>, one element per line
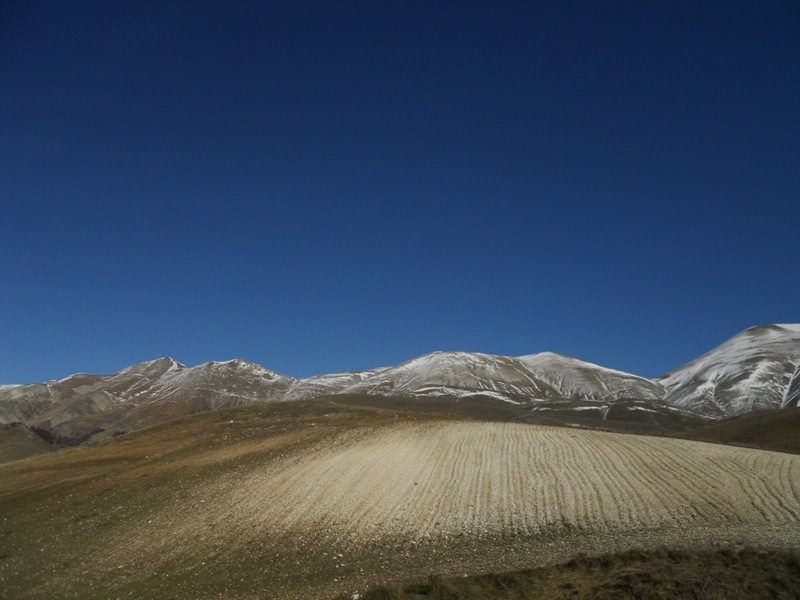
<point>757,369</point>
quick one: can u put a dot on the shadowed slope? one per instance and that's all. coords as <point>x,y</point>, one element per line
<point>777,430</point>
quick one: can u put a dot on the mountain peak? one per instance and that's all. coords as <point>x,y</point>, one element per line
<point>241,367</point>
<point>170,362</point>
<point>750,371</point>
<point>155,368</point>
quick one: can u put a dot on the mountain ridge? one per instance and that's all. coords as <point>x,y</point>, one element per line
<point>757,369</point>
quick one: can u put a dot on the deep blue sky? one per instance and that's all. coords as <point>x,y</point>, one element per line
<point>327,186</point>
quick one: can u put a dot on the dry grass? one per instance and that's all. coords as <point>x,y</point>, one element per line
<point>742,574</point>
<point>777,430</point>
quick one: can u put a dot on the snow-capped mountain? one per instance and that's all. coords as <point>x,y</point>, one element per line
<point>754,370</point>
<point>457,374</point>
<point>76,405</point>
<point>522,380</point>
<point>326,385</point>
<point>217,384</point>
<point>580,380</point>
<point>757,369</point>
<point>559,387</point>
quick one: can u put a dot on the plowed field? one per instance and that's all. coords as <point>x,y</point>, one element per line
<point>444,479</point>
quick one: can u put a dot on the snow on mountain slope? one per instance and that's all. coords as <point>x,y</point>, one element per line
<point>756,369</point>
<point>527,379</point>
<point>24,402</point>
<point>163,381</point>
<point>213,384</point>
<point>580,380</point>
<point>326,385</point>
<point>791,397</point>
<point>142,380</point>
<point>457,374</point>
<point>228,383</point>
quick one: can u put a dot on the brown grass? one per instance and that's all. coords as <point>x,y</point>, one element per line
<point>777,430</point>
<point>731,574</point>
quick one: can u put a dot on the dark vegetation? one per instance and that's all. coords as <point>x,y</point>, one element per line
<point>729,574</point>
<point>63,440</point>
<point>777,430</point>
<point>20,441</point>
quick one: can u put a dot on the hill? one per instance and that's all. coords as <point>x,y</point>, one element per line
<point>312,498</point>
<point>777,430</point>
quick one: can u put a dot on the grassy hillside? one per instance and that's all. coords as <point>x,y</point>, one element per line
<point>730,574</point>
<point>18,441</point>
<point>310,499</point>
<point>777,430</point>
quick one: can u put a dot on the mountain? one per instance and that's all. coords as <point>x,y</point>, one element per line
<point>77,407</point>
<point>581,380</point>
<point>555,387</point>
<point>758,369</point>
<point>83,406</point>
<point>216,384</point>
<point>326,385</point>
<point>593,395</point>
<point>458,374</point>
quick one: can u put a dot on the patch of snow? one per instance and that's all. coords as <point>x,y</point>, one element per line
<point>553,358</point>
<point>461,393</point>
<point>67,378</point>
<point>642,408</point>
<point>573,377</point>
<point>174,366</point>
<point>570,408</point>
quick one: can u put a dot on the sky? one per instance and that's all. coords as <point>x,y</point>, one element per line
<point>333,185</point>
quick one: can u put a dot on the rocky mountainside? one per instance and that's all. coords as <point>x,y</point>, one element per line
<point>457,375</point>
<point>81,405</point>
<point>580,380</point>
<point>326,385</point>
<point>757,369</point>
